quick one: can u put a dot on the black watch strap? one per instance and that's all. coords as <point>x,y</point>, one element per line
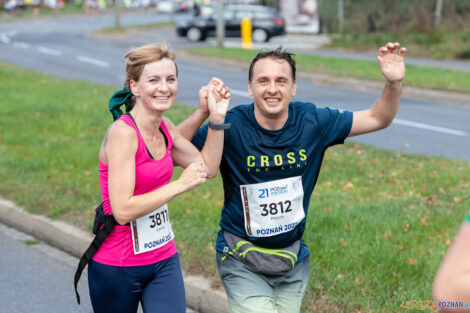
<point>219,126</point>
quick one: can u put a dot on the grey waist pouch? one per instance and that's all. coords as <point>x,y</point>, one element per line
<point>275,262</point>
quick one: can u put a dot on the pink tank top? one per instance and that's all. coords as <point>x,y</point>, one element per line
<point>150,174</point>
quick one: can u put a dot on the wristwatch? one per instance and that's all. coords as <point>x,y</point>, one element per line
<point>219,126</point>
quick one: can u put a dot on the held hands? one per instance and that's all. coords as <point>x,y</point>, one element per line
<point>218,99</point>
<point>391,62</point>
<point>194,175</point>
<point>204,93</point>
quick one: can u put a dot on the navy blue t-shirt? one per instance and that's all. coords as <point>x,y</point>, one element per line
<point>253,155</point>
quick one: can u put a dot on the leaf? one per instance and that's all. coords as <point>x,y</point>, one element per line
<point>207,195</point>
<point>423,222</point>
<point>348,186</point>
<point>358,282</point>
<point>406,228</point>
<point>457,199</point>
<point>412,261</point>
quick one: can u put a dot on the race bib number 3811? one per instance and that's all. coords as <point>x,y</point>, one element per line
<point>152,231</point>
<point>274,207</point>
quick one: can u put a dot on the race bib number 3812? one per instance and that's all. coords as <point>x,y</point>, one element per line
<point>152,231</point>
<point>274,207</point>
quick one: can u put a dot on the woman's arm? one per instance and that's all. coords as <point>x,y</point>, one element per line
<point>184,153</point>
<point>188,127</point>
<point>120,151</point>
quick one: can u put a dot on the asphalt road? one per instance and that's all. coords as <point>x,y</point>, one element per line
<point>62,46</point>
<point>41,280</point>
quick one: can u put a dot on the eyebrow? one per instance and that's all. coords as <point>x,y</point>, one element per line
<point>157,76</point>
<point>276,78</point>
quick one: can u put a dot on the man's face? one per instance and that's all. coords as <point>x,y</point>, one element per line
<point>272,87</point>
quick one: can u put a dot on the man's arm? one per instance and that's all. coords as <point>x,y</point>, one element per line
<point>189,127</point>
<point>382,113</point>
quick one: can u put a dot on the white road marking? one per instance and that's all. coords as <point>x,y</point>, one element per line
<point>430,127</point>
<point>395,121</point>
<point>4,38</point>
<point>23,45</point>
<point>49,51</point>
<point>85,59</point>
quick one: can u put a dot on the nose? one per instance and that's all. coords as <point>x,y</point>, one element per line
<point>272,88</point>
<point>163,86</point>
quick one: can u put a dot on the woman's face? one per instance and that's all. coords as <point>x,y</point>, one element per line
<point>157,86</point>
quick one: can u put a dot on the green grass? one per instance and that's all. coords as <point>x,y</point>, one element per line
<point>134,28</point>
<point>442,43</point>
<point>30,242</point>
<point>415,76</point>
<point>379,222</point>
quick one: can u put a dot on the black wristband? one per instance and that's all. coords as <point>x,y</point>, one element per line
<point>219,126</point>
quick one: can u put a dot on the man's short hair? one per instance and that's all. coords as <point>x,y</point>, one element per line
<point>279,53</point>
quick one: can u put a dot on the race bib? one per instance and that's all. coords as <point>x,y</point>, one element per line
<point>274,207</point>
<point>152,231</point>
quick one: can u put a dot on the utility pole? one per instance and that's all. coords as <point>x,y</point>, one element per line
<point>117,14</point>
<point>220,27</point>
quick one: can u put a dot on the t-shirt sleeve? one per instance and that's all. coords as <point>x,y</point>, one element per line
<point>199,138</point>
<point>336,125</point>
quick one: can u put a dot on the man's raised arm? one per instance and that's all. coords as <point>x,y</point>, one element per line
<point>382,113</point>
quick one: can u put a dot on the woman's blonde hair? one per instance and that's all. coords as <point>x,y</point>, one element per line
<point>137,59</point>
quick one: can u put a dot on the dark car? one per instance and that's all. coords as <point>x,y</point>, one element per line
<point>265,23</point>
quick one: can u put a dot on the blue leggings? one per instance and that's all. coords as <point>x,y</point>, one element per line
<point>159,287</point>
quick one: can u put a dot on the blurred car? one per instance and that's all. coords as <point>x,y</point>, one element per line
<point>265,22</point>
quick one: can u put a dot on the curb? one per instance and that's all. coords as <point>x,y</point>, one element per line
<point>449,97</point>
<point>199,295</point>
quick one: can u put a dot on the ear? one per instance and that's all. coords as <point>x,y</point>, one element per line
<point>133,87</point>
<point>294,88</point>
<point>250,92</point>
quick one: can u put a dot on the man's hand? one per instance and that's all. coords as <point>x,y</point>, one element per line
<point>204,92</point>
<point>218,100</point>
<point>391,62</point>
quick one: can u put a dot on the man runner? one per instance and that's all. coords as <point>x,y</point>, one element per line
<point>273,150</point>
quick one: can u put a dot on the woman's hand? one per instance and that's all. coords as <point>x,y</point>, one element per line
<point>193,175</point>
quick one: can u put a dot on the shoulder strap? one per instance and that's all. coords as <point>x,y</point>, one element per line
<point>108,222</point>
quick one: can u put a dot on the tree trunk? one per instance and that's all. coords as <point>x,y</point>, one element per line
<point>438,13</point>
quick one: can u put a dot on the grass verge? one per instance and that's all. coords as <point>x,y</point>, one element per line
<point>133,28</point>
<point>379,224</point>
<point>425,77</point>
